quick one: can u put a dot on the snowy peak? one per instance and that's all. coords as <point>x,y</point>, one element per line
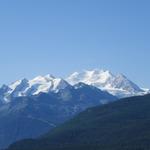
<point>90,77</point>
<point>118,85</point>
<point>39,84</point>
<point>46,84</point>
<point>122,82</point>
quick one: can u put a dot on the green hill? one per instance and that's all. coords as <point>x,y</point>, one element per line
<point>121,125</point>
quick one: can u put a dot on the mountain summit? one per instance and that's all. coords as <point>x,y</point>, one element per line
<point>39,84</point>
<point>118,85</point>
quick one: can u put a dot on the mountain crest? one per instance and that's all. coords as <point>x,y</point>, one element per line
<point>118,85</point>
<point>25,87</point>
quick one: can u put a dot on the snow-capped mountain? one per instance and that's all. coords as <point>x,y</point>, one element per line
<point>46,101</point>
<point>32,116</point>
<point>118,85</point>
<point>24,87</point>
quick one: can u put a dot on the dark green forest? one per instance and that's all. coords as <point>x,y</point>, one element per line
<point>121,125</point>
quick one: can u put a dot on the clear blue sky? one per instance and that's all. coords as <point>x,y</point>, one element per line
<point>63,36</point>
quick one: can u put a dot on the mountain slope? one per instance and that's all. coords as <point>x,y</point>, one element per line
<point>29,117</point>
<point>118,85</point>
<point>122,125</point>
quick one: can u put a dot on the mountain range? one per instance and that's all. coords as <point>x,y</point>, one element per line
<point>117,85</point>
<point>30,116</point>
<point>30,108</point>
<point>121,125</point>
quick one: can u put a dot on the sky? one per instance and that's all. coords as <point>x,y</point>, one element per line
<point>58,37</point>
